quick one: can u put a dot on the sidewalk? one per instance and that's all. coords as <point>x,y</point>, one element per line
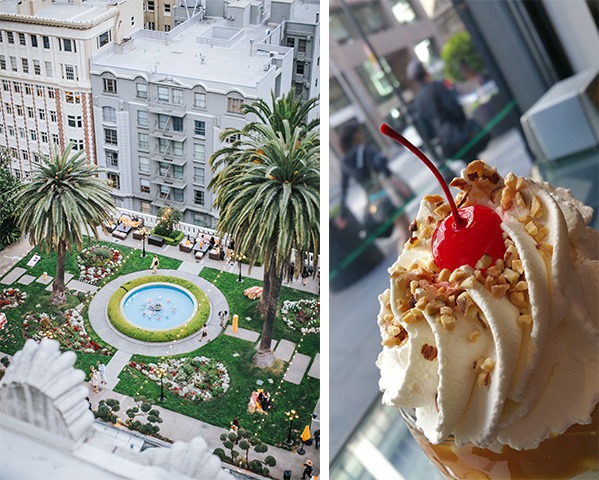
<point>180,427</point>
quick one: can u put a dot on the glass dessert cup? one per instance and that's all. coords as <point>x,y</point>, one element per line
<point>574,454</point>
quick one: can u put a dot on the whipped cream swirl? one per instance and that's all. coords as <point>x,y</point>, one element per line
<point>504,354</point>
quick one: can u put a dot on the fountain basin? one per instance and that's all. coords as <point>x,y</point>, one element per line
<point>158,308</point>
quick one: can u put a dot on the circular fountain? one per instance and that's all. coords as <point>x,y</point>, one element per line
<point>152,309</point>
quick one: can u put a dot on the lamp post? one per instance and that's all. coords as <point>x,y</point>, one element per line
<point>161,372</point>
<point>291,416</point>
<point>144,232</point>
<point>239,258</point>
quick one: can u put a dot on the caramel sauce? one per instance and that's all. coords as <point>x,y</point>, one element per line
<point>562,457</point>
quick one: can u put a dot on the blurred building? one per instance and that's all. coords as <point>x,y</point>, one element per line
<point>45,47</point>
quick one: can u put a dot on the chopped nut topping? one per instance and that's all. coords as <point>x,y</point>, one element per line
<point>531,228</point>
<point>393,330</point>
<point>521,286</point>
<point>388,317</point>
<point>412,316</point>
<point>518,299</point>
<point>510,275</point>
<point>443,210</point>
<point>459,183</point>
<point>484,262</point>
<point>448,322</point>
<point>433,198</point>
<point>429,352</point>
<point>524,320</point>
<point>520,200</point>
<point>444,275</point>
<point>545,249</point>
<point>473,337</point>
<point>499,291</point>
<point>488,365</point>
<point>535,208</point>
<point>457,275</point>
<point>517,266</point>
<point>520,183</point>
<point>484,379</point>
<point>468,282</point>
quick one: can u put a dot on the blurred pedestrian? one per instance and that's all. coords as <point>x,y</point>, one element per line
<point>308,470</point>
<point>93,378</point>
<point>439,115</point>
<point>317,438</point>
<point>204,333</point>
<point>102,373</point>
<point>155,264</point>
<point>386,192</point>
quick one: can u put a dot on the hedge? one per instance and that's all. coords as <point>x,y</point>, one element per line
<point>170,240</point>
<point>126,328</point>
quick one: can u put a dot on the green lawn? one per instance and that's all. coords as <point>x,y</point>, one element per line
<point>271,428</point>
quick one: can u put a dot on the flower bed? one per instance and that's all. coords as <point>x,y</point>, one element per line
<point>97,262</point>
<point>198,378</point>
<point>303,315</point>
<point>11,298</point>
<point>67,328</point>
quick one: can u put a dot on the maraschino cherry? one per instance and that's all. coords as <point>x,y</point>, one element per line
<point>469,233</point>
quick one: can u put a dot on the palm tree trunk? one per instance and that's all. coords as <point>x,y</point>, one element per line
<point>58,287</point>
<point>265,357</point>
<point>263,303</point>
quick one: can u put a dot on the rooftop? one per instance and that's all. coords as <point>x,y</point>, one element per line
<point>206,51</point>
<point>61,11</point>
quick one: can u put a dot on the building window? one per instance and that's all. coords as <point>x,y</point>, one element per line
<point>178,195</point>
<point>53,116</point>
<point>202,220</point>
<point>11,37</point>
<point>51,92</point>
<point>338,27</point>
<point>112,158</point>
<point>48,65</point>
<point>44,136</point>
<point>109,85</point>
<point>110,136</point>
<point>33,135</point>
<point>11,130</point>
<point>198,197</point>
<point>67,45</point>
<point>163,144</point>
<point>75,121</point>
<point>290,42</point>
<point>377,80</point>
<point>19,109</point>
<point>200,128</point>
<point>141,90</point>
<point>165,192</point>
<point>109,114</point>
<point>25,155</point>
<point>302,45</point>
<point>167,8</point>
<point>178,172</point>
<point>114,180</point>
<point>150,5</point>
<point>33,39</point>
<point>77,144</point>
<point>70,72</point>
<point>2,62</point>
<point>22,40</point>
<point>104,39</point>
<point>233,138</point>
<point>30,112</point>
<point>163,169</point>
<point>144,164</point>
<point>177,124</point>
<point>299,68</point>
<point>199,100</point>
<point>163,94</point>
<point>163,121</point>
<point>178,148</point>
<point>72,97</point>
<point>55,139</point>
<point>299,89</point>
<point>6,85</point>
<point>199,152</point>
<point>46,41</point>
<point>41,113</point>
<point>22,133</point>
<point>25,64</point>
<point>167,28</point>
<point>39,90</point>
<point>151,26</point>
<point>144,185</point>
<point>7,108</point>
<point>16,87</point>
<point>146,207</point>
<point>142,118</point>
<point>132,21</point>
<point>199,175</point>
<point>403,11</point>
<point>13,63</point>
<point>28,88</point>
<point>177,96</point>
<point>234,104</point>
<point>143,142</point>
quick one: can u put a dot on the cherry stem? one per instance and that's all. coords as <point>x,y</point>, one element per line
<point>388,131</point>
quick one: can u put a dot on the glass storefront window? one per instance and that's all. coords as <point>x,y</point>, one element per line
<point>403,11</point>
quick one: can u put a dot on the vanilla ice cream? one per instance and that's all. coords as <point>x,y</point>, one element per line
<point>504,353</point>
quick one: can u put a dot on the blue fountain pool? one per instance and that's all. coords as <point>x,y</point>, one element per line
<point>158,306</point>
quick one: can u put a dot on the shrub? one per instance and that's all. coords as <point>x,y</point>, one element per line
<point>460,50</point>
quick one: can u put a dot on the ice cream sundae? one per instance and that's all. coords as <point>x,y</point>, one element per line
<point>490,329</point>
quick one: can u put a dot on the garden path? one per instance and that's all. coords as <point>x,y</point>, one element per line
<point>118,361</point>
<point>180,427</point>
<point>13,276</point>
<point>314,371</point>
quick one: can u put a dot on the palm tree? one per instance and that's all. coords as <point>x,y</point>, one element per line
<point>64,201</point>
<point>287,108</point>
<point>269,202</point>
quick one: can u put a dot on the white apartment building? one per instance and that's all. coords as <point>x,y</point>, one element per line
<point>161,100</point>
<point>45,85</point>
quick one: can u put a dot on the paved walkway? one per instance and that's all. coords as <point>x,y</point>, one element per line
<point>181,427</point>
<point>113,368</point>
<point>100,323</point>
